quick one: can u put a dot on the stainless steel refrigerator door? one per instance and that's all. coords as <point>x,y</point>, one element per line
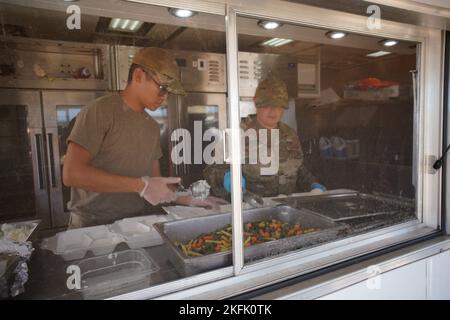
<point>195,111</point>
<point>161,116</point>
<point>23,178</point>
<point>60,109</point>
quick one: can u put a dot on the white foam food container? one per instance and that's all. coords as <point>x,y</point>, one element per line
<point>138,232</point>
<point>74,244</point>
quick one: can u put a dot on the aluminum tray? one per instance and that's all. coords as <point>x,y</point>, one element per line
<point>187,229</point>
<point>349,206</point>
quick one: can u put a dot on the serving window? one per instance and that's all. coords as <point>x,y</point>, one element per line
<point>317,136</point>
<point>347,111</point>
<point>345,134</point>
<point>146,249</point>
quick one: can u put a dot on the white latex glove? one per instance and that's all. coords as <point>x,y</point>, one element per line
<point>208,203</point>
<point>156,189</point>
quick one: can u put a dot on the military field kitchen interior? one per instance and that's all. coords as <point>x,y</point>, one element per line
<point>211,150</point>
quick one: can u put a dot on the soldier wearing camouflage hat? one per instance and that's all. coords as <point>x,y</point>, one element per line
<point>271,100</point>
<point>112,160</point>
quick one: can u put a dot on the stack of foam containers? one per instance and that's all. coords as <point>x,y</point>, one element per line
<point>74,244</point>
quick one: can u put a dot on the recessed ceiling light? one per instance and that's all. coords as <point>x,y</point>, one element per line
<point>377,54</point>
<point>126,25</point>
<point>336,35</point>
<point>389,42</point>
<point>276,42</point>
<point>182,13</point>
<point>269,25</point>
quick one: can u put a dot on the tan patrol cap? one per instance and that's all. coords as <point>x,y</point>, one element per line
<point>159,60</point>
<point>271,93</point>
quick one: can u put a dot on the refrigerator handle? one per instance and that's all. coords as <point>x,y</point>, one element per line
<point>38,149</point>
<point>51,134</point>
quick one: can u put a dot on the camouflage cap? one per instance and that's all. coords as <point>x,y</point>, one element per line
<point>271,93</point>
<point>159,60</point>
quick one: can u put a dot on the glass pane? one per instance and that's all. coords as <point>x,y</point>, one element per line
<point>161,116</point>
<point>17,195</point>
<point>65,118</point>
<point>122,242</point>
<point>204,117</point>
<point>328,134</point>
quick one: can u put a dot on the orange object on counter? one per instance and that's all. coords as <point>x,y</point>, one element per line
<point>369,83</point>
<point>375,83</point>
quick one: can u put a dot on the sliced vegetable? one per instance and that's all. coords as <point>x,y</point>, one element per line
<point>254,233</point>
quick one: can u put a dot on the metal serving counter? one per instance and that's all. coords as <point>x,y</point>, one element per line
<point>48,275</point>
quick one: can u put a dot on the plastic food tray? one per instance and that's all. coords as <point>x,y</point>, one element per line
<point>18,231</point>
<point>100,240</point>
<point>116,273</point>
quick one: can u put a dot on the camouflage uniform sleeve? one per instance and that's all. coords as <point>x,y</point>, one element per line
<point>213,174</point>
<point>304,177</point>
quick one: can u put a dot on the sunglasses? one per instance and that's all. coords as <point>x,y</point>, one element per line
<point>163,88</point>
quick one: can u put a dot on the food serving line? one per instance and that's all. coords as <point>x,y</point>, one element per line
<point>136,253</point>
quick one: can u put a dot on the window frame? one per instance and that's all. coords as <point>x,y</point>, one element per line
<point>430,53</point>
<point>428,134</point>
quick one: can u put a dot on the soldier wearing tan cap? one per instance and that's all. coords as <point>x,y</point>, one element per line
<point>271,100</point>
<point>112,161</point>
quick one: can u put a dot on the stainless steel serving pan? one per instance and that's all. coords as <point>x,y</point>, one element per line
<point>349,206</point>
<point>188,229</point>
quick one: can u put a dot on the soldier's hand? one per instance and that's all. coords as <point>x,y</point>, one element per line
<point>227,181</point>
<point>317,188</point>
<point>158,189</point>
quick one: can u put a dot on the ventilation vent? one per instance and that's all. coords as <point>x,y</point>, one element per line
<point>214,71</point>
<point>244,69</point>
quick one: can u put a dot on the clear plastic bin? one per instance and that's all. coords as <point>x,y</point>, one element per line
<point>20,231</point>
<point>116,273</point>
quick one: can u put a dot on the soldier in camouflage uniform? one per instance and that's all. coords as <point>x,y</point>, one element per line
<point>271,99</point>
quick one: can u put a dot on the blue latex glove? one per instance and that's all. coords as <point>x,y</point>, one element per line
<point>318,186</point>
<point>227,181</point>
